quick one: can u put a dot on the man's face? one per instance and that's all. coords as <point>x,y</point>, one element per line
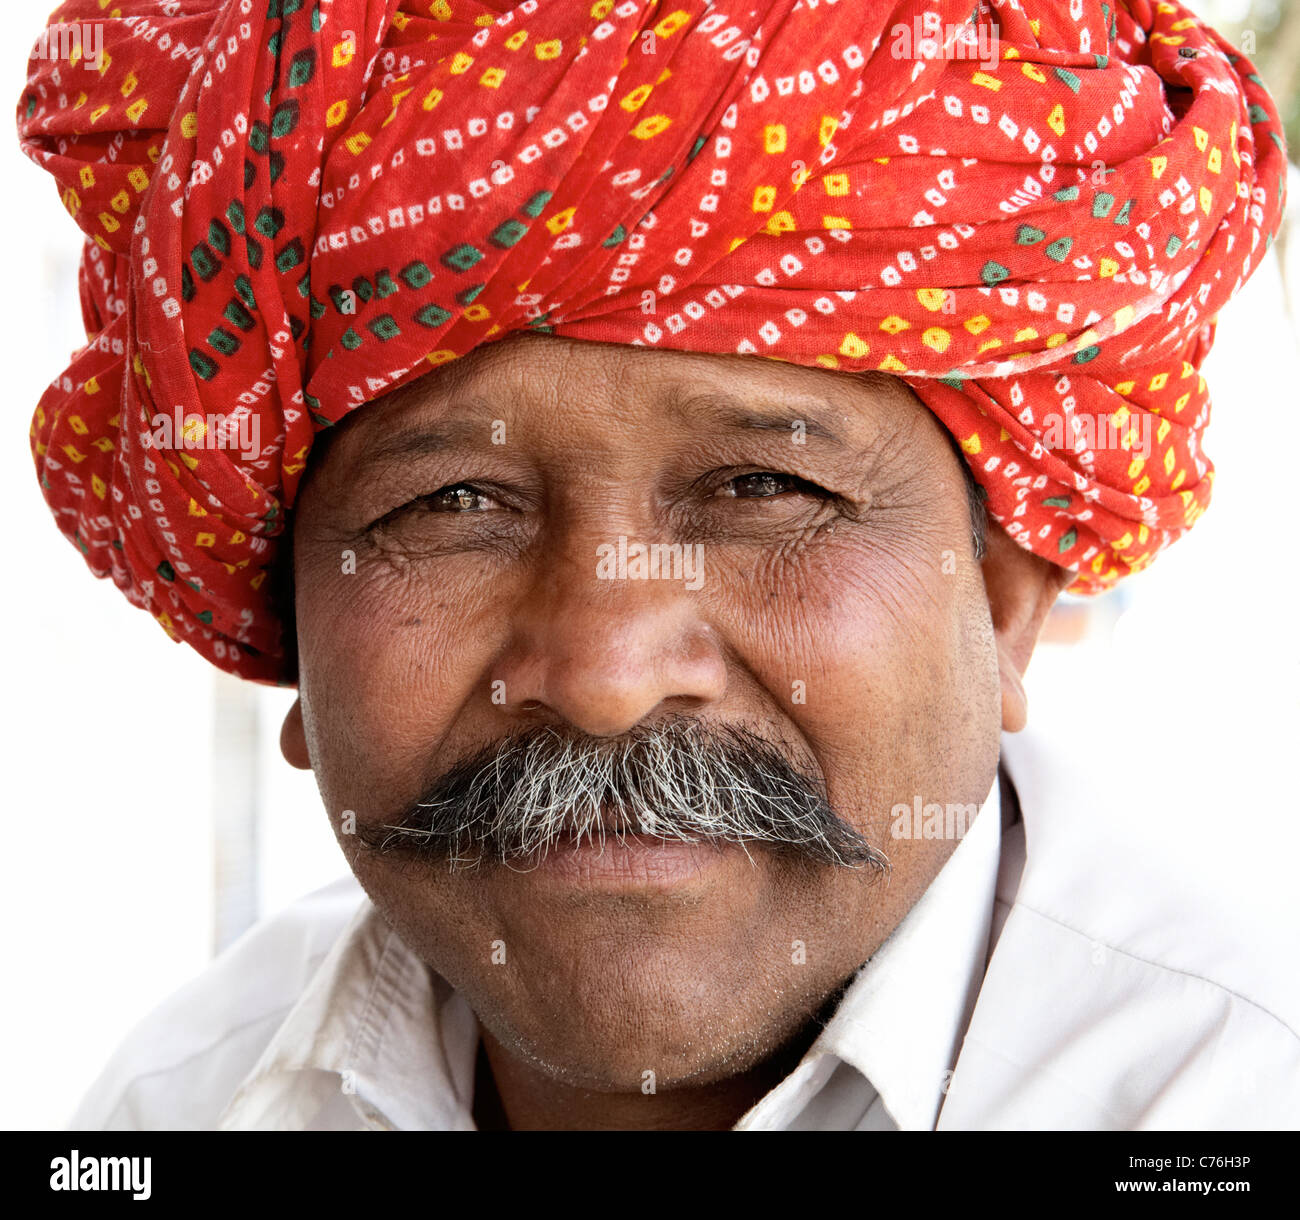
<point>458,582</point>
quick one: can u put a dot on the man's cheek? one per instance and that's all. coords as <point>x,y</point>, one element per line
<point>871,680</point>
<point>830,636</point>
<point>384,672</point>
<point>356,617</point>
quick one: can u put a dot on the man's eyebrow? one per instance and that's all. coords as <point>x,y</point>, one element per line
<point>721,408</point>
<point>421,441</point>
<point>728,411</point>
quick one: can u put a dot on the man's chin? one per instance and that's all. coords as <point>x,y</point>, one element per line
<point>600,964</point>
<point>635,1030</point>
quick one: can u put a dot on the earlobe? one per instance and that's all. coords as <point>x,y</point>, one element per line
<point>293,738</point>
<point>1015,703</point>
<point>1022,588</point>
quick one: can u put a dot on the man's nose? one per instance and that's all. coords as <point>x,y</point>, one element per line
<point>605,651</point>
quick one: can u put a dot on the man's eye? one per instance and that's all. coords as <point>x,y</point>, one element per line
<point>456,498</point>
<point>764,484</point>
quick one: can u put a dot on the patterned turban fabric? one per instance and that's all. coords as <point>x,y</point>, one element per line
<point>294,208</point>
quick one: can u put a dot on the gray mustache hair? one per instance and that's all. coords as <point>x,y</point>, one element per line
<point>680,779</point>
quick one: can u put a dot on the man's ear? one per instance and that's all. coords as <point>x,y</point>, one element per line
<point>1022,588</point>
<point>293,739</point>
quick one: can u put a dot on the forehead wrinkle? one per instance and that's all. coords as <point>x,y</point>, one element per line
<point>757,412</point>
<point>465,388</point>
<point>458,395</point>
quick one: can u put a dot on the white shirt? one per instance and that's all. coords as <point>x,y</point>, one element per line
<point>361,1035</point>
<point>1115,995</point>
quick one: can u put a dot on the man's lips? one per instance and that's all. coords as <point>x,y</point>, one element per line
<point>624,861</point>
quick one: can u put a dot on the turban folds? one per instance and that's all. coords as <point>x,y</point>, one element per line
<point>292,207</point>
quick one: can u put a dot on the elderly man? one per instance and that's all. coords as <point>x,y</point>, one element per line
<point>655,691</point>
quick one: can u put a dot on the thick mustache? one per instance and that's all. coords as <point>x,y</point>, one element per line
<point>681,779</point>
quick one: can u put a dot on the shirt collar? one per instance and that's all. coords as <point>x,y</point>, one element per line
<point>376,1031</point>
<point>373,1029</point>
<point>901,1021</point>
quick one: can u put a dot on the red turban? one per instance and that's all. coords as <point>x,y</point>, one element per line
<point>292,208</point>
